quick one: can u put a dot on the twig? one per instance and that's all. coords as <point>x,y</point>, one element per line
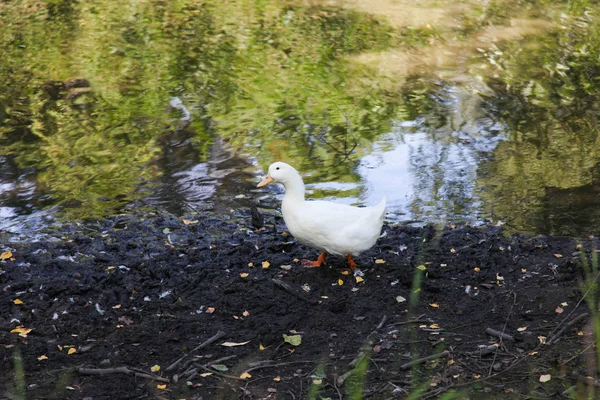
<point>418,361</point>
<point>483,351</point>
<point>498,334</point>
<point>281,284</point>
<point>120,370</point>
<point>207,342</point>
<point>412,321</point>
<point>556,336</point>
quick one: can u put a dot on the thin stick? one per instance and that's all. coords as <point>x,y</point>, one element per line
<point>120,370</point>
<point>498,334</point>
<point>207,342</point>
<point>418,361</point>
<point>281,284</point>
<point>555,337</point>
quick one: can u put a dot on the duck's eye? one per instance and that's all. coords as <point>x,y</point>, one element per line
<point>277,168</point>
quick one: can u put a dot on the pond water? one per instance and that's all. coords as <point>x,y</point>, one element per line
<point>483,112</point>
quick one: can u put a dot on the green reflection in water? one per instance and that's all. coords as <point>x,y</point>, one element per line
<point>545,177</point>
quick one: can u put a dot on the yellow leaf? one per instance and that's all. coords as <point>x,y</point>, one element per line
<point>117,306</point>
<point>450,362</point>
<point>340,282</point>
<point>522,329</point>
<point>233,344</point>
<point>557,256</point>
<point>294,340</point>
<point>452,250</point>
<point>245,313</point>
<point>161,387</point>
<point>477,269</point>
<point>523,270</point>
<point>359,279</point>
<point>533,353</point>
<point>17,301</point>
<point>422,267</point>
<point>42,357</point>
<point>296,260</point>
<point>210,310</point>
<point>261,347</point>
<point>251,264</point>
<point>204,375</point>
<point>6,255</point>
<point>266,264</point>
<point>155,368</point>
<point>110,267</point>
<point>476,376</point>
<point>417,290</point>
<point>434,305</point>
<point>542,339</point>
<point>245,375</point>
<point>277,378</point>
<point>545,378</point>
<point>189,222</point>
<point>60,348</point>
<point>434,326</point>
<point>379,261</point>
<point>21,330</point>
<point>244,274</point>
<point>345,272</point>
<point>72,350</point>
<point>579,333</point>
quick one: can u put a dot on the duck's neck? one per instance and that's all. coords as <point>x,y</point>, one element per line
<point>294,189</point>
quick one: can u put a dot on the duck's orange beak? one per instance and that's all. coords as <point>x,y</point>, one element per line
<point>266,181</point>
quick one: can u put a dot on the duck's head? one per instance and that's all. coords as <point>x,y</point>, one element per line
<point>279,172</point>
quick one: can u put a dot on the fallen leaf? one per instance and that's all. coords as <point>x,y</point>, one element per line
<point>417,290</point>
<point>317,381</point>
<point>220,367</point>
<point>266,264</point>
<point>277,378</point>
<point>245,375</point>
<point>210,310</point>
<point>245,313</point>
<point>434,305</point>
<point>251,264</point>
<point>6,255</point>
<point>72,350</point>
<point>296,260</point>
<point>522,329</point>
<point>260,346</point>
<point>294,340</point>
<point>477,269</point>
<point>523,270</point>
<point>340,282</point>
<point>579,333</point>
<point>233,344</point>
<point>434,326</point>
<point>400,299</point>
<point>542,339</point>
<point>110,267</point>
<point>244,274</point>
<point>564,304</point>
<point>120,326</point>
<point>117,306</point>
<point>354,289</point>
<point>345,272</point>
<point>476,376</point>
<point>545,378</point>
<point>286,267</point>
<point>422,267</point>
<point>204,375</point>
<point>21,330</point>
<point>559,310</point>
<point>42,357</point>
<point>452,250</point>
<point>60,348</point>
<point>359,279</point>
<point>161,387</point>
<point>557,256</point>
<point>155,368</point>
<point>189,222</point>
<point>17,301</point>
<point>379,261</point>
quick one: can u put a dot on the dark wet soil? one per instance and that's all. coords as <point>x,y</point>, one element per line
<point>108,300</point>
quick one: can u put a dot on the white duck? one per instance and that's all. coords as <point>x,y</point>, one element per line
<point>333,228</point>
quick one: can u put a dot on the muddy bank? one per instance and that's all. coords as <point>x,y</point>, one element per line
<point>107,301</point>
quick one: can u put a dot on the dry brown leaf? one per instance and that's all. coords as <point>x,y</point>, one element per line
<point>21,330</point>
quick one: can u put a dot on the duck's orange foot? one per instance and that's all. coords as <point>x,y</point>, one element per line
<point>318,263</point>
<point>351,262</point>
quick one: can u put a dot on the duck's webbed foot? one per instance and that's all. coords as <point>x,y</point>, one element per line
<point>351,262</point>
<point>318,263</point>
